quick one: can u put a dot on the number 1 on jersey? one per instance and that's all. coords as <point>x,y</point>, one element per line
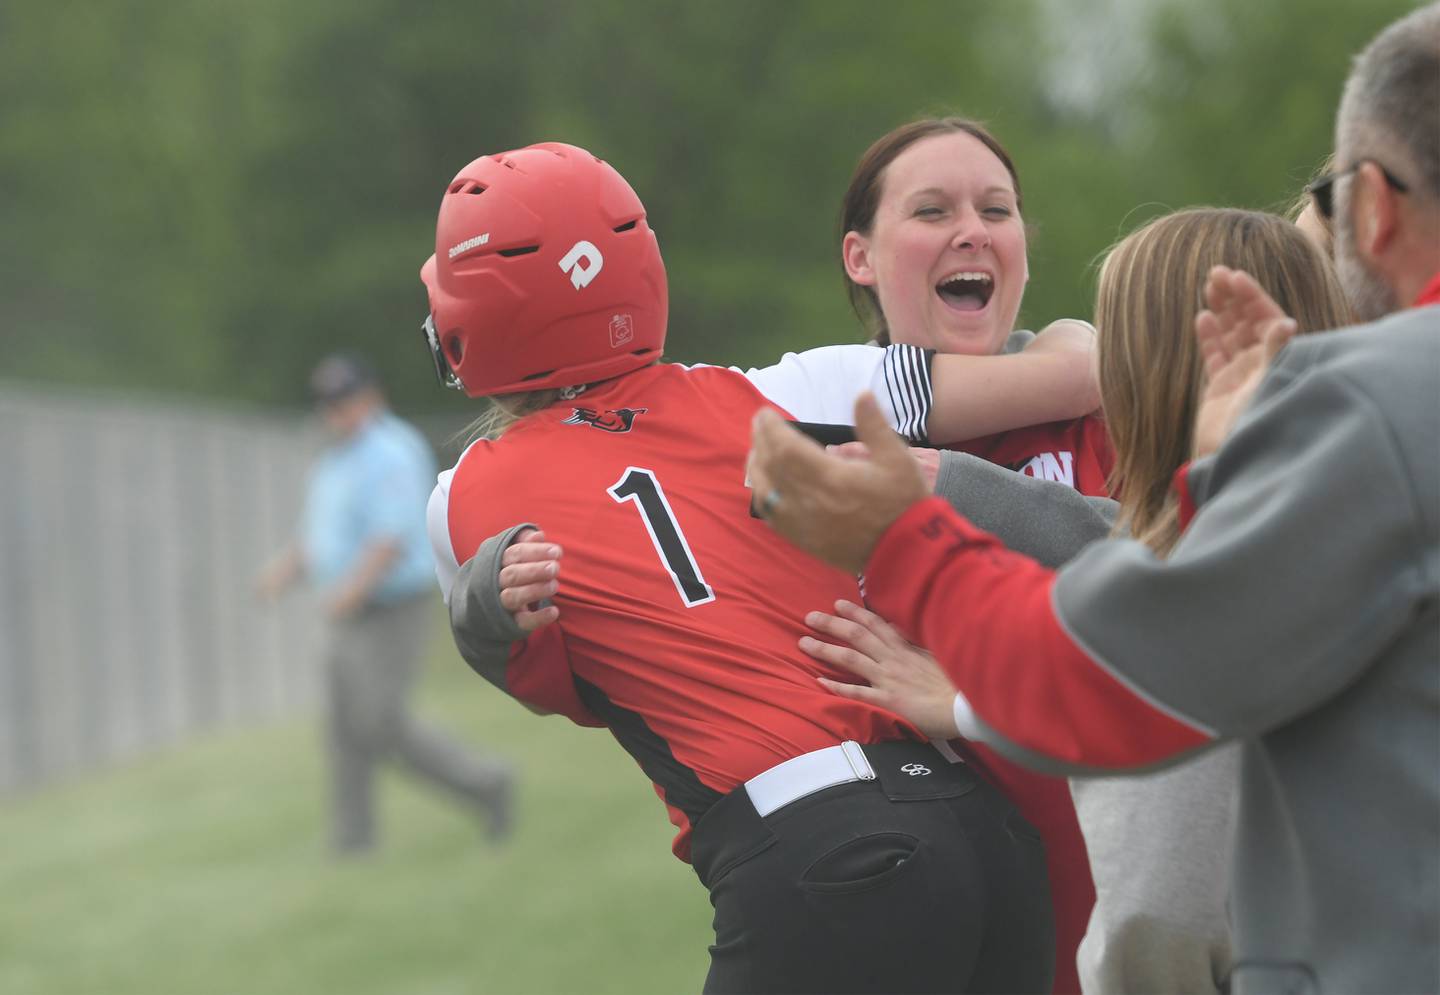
<point>640,486</point>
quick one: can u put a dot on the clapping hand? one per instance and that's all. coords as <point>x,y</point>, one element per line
<point>928,460</point>
<point>831,507</point>
<point>1239,333</point>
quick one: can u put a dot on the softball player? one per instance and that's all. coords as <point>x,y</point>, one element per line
<point>841,851</point>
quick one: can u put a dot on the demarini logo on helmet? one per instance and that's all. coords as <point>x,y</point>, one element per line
<point>582,252</point>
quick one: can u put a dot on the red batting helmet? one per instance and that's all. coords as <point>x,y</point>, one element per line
<point>545,274</point>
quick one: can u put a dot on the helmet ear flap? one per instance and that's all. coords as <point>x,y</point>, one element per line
<point>444,369</point>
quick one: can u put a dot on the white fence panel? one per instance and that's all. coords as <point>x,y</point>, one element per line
<point>130,536</point>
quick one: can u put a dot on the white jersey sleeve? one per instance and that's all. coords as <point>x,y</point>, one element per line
<point>437,525</point>
<point>820,385</point>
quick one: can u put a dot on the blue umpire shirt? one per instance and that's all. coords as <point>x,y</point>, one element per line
<point>371,487</point>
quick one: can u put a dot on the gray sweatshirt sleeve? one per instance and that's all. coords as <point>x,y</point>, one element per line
<point>482,627</point>
<point>1045,520</point>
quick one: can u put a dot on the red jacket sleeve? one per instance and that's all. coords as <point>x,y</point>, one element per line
<point>1180,484</point>
<point>985,613</point>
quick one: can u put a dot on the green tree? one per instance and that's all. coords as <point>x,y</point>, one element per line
<point>206,196</point>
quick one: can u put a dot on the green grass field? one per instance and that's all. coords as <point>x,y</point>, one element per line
<point>203,871</point>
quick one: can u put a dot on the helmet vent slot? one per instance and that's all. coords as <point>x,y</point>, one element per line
<point>524,250</point>
<point>466,186</point>
<point>627,226</point>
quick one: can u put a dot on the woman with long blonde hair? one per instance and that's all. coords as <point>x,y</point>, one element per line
<point>1151,373</point>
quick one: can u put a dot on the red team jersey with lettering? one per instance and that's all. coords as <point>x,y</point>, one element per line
<point>1077,453</point>
<point>679,610</point>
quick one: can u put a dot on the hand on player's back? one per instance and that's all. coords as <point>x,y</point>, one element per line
<point>898,676</point>
<point>529,577</point>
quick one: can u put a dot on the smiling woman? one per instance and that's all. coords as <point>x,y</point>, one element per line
<point>934,252</point>
<point>934,245</point>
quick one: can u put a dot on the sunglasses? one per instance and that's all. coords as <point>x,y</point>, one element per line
<point>443,372</point>
<point>1323,189</point>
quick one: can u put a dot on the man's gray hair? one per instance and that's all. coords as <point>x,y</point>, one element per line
<point>1391,103</point>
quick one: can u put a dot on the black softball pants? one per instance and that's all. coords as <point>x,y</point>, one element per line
<point>906,883</point>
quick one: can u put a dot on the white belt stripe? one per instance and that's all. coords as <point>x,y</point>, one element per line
<point>815,771</point>
<point>806,774</point>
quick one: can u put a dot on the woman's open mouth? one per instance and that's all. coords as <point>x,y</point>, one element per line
<point>967,290</point>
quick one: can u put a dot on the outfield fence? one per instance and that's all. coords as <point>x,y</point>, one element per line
<point>130,537</point>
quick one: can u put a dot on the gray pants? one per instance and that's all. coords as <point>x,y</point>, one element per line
<point>371,666</point>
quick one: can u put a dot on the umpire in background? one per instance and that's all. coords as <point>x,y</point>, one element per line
<point>362,543</point>
<point>1299,613</point>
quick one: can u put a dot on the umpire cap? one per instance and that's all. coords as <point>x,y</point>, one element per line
<point>340,375</point>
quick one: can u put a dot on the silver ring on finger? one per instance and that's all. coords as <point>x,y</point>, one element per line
<point>768,503</point>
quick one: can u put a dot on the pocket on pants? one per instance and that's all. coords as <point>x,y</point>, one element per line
<point>863,864</point>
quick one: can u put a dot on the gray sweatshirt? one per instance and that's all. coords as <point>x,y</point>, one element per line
<point>1300,616</point>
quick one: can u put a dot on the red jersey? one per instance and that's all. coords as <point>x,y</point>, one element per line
<point>1077,453</point>
<point>679,611</point>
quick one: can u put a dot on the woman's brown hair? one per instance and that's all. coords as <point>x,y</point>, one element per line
<point>862,197</point>
<point>1151,374</point>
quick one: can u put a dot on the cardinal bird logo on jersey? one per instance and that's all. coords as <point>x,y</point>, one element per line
<point>614,420</point>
